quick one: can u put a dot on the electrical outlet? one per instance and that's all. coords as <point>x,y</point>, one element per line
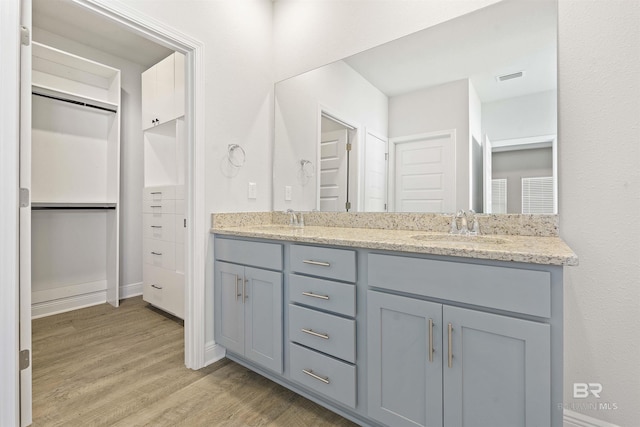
<point>253,190</point>
<point>287,193</point>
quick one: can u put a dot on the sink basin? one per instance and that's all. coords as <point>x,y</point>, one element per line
<point>459,239</point>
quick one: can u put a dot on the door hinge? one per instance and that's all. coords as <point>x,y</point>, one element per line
<point>348,205</point>
<point>24,197</point>
<point>24,359</point>
<point>385,207</point>
<point>184,224</point>
<point>386,156</point>
<point>349,146</point>
<point>25,35</point>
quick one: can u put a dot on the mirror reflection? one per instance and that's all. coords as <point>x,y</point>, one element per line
<point>462,115</point>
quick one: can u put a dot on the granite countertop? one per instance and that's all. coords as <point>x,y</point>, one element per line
<point>549,250</point>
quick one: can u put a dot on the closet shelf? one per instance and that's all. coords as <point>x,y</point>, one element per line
<point>74,98</point>
<point>66,205</point>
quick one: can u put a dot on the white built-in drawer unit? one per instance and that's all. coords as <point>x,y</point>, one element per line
<point>159,226</point>
<point>164,289</point>
<point>159,206</point>
<point>160,253</point>
<point>339,264</point>
<point>333,335</point>
<point>511,289</point>
<point>323,374</point>
<point>159,193</point>
<point>324,294</point>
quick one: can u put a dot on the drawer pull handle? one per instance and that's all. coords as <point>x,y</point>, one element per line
<point>156,226</point>
<point>431,350</point>
<point>315,334</point>
<point>311,294</point>
<point>156,287</point>
<point>155,206</point>
<point>320,263</point>
<point>156,253</point>
<point>317,377</point>
<point>450,362</point>
<point>156,192</point>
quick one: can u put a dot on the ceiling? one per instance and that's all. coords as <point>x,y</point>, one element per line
<point>69,20</point>
<point>506,37</point>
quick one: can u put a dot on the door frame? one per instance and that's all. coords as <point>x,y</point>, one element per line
<point>391,170</point>
<point>158,32</point>
<point>9,237</point>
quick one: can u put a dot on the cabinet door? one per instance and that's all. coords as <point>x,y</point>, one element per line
<point>164,109</point>
<point>404,382</point>
<point>148,98</point>
<point>499,373</point>
<point>263,317</point>
<point>229,307</point>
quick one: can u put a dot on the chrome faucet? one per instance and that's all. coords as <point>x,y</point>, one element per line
<point>460,223</point>
<point>295,220</point>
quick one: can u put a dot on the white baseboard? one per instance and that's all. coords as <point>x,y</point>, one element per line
<point>576,419</point>
<point>60,303</point>
<point>213,352</point>
<point>131,290</point>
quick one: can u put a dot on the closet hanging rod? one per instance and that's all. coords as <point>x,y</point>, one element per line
<point>71,205</point>
<point>71,101</point>
<point>66,208</point>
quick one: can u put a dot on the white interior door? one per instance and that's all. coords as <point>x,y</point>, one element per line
<point>487,175</point>
<point>25,220</point>
<point>424,173</point>
<point>375,174</point>
<point>333,171</point>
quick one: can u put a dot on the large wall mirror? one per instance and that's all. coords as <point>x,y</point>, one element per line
<point>461,115</point>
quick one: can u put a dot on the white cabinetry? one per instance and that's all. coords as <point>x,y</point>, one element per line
<point>75,181</point>
<point>164,220</point>
<point>163,91</point>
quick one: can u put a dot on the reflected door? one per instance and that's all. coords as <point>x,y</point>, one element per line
<point>375,178</point>
<point>333,171</point>
<point>424,176</point>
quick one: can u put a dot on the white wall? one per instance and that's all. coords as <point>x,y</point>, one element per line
<point>131,151</point>
<point>599,178</point>
<point>437,108</point>
<point>599,96</point>
<point>521,117</point>
<point>342,92</point>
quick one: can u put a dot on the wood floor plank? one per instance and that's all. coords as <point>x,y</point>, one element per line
<point>106,366</point>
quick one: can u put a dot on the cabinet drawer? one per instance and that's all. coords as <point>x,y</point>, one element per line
<point>324,332</point>
<point>324,294</point>
<point>159,193</point>
<point>511,289</point>
<point>181,207</point>
<point>159,226</point>
<point>160,253</point>
<point>164,289</point>
<point>180,257</point>
<point>258,254</point>
<point>179,192</point>
<point>181,230</point>
<point>332,263</point>
<point>158,207</point>
<point>323,374</point>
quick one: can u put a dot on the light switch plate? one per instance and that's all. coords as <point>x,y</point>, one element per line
<point>287,193</point>
<point>253,190</point>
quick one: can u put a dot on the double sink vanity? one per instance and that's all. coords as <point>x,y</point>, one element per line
<point>389,320</point>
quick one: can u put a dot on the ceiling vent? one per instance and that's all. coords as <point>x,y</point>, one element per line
<point>505,77</point>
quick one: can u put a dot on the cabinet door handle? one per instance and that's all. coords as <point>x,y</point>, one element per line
<point>311,294</point>
<point>156,253</point>
<point>315,334</point>
<point>320,263</point>
<point>317,377</point>
<point>238,294</point>
<point>156,287</point>
<point>431,350</point>
<point>450,362</point>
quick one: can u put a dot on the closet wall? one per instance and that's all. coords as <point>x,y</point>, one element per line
<point>131,174</point>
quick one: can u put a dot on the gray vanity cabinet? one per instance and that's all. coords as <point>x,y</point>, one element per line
<point>404,350</point>
<point>248,304</point>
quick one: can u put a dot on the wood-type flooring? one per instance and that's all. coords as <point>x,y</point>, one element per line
<point>105,366</point>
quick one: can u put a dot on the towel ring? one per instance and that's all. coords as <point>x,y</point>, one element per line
<point>236,155</point>
<point>308,170</point>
